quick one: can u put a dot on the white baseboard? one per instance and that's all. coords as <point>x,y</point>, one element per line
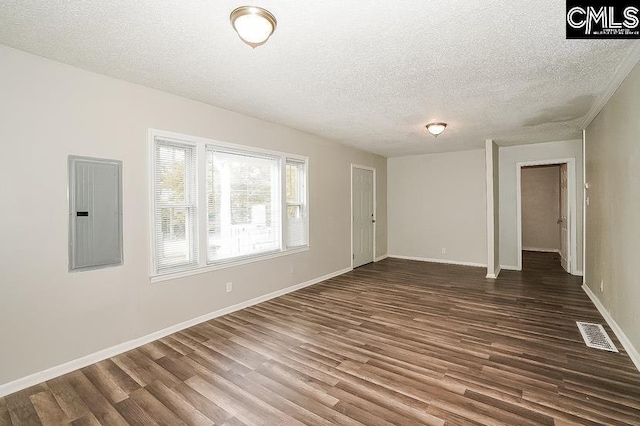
<point>383,257</point>
<point>542,250</point>
<point>510,268</point>
<point>631,350</point>
<point>515,268</point>
<point>67,367</point>
<point>450,262</point>
<point>495,274</point>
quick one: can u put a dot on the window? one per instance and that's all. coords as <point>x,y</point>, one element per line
<point>175,207</point>
<point>296,194</point>
<point>243,213</point>
<point>218,204</point>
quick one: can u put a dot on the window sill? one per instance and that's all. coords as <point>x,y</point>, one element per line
<point>225,264</point>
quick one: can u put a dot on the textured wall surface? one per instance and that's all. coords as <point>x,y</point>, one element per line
<point>613,214</point>
<point>49,110</point>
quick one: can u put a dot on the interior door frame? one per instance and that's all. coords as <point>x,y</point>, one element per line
<point>571,195</point>
<point>375,208</point>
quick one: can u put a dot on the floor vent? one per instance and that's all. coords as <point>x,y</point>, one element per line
<point>595,336</point>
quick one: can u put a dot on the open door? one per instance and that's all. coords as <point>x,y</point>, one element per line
<point>564,219</point>
<point>362,211</point>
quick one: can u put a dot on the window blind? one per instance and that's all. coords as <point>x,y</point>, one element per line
<point>296,202</point>
<point>175,205</point>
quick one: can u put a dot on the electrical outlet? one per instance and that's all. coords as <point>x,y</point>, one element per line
<point>444,250</point>
<point>601,286</point>
<point>229,287</point>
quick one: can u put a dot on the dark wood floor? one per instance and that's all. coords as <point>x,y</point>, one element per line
<point>397,342</point>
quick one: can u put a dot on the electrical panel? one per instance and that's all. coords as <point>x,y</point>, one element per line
<point>95,213</point>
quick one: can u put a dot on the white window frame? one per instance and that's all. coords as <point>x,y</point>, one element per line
<point>201,145</point>
<point>191,204</point>
<point>303,202</point>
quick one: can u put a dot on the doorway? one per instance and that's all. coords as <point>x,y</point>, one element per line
<point>546,210</point>
<point>544,213</point>
<point>363,215</point>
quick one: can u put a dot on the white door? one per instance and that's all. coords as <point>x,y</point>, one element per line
<point>564,218</point>
<point>363,216</point>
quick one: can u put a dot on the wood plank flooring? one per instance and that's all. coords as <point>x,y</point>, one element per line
<point>393,343</point>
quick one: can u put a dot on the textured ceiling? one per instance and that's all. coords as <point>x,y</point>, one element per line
<point>366,73</point>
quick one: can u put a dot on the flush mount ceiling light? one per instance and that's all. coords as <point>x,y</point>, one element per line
<point>436,128</point>
<point>253,24</point>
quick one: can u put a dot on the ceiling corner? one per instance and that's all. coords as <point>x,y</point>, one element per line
<point>623,70</point>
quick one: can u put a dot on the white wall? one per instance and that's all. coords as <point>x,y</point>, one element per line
<point>541,208</point>
<point>50,110</point>
<point>509,157</point>
<point>492,155</point>
<point>438,201</point>
<point>613,214</point>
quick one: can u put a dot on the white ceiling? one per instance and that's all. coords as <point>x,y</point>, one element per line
<point>366,73</point>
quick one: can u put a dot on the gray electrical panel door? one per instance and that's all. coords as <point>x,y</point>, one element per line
<point>95,213</point>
